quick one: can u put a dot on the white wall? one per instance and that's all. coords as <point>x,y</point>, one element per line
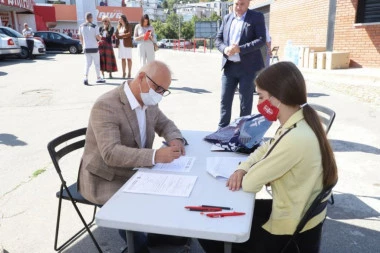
<point>25,18</point>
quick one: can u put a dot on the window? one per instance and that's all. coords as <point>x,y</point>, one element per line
<point>368,11</point>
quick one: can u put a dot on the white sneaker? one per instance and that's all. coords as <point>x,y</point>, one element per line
<point>100,80</point>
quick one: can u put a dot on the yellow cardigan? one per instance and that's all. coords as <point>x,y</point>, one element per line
<point>293,167</point>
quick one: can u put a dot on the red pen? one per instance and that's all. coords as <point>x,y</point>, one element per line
<point>203,209</point>
<point>221,215</point>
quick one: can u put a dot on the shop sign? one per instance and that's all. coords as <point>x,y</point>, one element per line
<point>113,15</point>
<point>25,4</point>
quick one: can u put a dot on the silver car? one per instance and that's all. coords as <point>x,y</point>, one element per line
<point>9,46</point>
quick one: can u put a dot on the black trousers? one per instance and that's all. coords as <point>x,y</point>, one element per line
<point>262,241</point>
<point>30,44</point>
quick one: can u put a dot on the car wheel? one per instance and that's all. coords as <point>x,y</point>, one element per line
<point>24,53</point>
<point>73,49</point>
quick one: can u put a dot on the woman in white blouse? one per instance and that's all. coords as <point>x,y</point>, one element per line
<point>145,36</point>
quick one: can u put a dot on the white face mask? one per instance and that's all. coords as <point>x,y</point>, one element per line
<point>150,98</point>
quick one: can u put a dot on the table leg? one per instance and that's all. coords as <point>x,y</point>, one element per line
<point>131,246</point>
<point>227,247</point>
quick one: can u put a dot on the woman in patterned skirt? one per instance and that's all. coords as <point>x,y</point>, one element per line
<point>107,57</point>
<point>124,34</point>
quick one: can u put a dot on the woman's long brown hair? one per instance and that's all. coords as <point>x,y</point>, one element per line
<point>119,25</point>
<point>285,82</point>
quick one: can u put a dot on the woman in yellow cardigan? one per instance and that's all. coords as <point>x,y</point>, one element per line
<point>298,162</point>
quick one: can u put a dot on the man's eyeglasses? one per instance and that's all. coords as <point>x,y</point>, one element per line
<point>159,89</point>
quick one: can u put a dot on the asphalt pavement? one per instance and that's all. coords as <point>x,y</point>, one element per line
<point>43,98</point>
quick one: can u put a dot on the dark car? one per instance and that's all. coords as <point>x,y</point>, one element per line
<point>60,42</point>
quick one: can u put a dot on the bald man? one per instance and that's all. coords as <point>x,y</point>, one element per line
<point>121,130</point>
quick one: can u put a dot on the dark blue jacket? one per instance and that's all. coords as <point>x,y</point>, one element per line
<point>251,40</point>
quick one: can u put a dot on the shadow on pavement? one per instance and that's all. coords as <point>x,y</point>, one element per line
<point>339,237</point>
<point>11,140</point>
<point>110,241</point>
<point>348,146</point>
<point>191,90</point>
<point>316,95</point>
<point>3,73</point>
<point>348,206</point>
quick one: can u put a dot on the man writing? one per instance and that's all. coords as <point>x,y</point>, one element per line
<point>121,131</point>
<point>239,39</point>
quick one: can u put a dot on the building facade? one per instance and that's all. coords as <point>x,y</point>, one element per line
<point>12,13</point>
<point>201,9</point>
<point>347,25</point>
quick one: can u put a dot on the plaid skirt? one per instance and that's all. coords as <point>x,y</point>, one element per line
<point>107,57</point>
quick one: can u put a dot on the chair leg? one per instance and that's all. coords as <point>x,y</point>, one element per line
<point>332,199</point>
<point>79,233</point>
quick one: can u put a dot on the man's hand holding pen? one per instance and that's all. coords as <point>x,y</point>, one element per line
<point>175,149</point>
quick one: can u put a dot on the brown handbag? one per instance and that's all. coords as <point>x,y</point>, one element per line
<point>155,46</point>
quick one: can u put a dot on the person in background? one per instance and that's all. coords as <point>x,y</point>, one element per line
<point>124,36</point>
<point>120,135</point>
<point>145,35</point>
<point>28,34</point>
<point>69,33</point>
<point>107,56</point>
<point>239,39</point>
<point>298,163</point>
<point>266,50</point>
<point>89,36</point>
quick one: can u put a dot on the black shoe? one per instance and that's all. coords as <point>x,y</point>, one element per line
<point>85,82</point>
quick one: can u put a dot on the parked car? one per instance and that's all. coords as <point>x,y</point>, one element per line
<point>39,47</point>
<point>182,43</point>
<point>60,42</point>
<point>9,46</point>
<point>165,43</point>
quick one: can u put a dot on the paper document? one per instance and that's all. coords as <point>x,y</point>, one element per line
<point>160,184</point>
<point>181,164</point>
<point>223,167</point>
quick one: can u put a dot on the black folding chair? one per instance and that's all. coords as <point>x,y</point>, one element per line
<point>318,206</point>
<point>327,117</point>
<point>70,192</point>
<point>274,54</point>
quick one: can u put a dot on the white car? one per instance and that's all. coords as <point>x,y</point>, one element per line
<point>165,43</point>
<point>8,46</point>
<point>39,47</point>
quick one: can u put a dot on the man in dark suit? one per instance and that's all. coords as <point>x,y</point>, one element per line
<point>239,39</point>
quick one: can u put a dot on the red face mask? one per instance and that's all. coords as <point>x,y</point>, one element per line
<point>269,111</point>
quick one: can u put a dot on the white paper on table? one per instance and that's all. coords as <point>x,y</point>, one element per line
<point>160,184</point>
<point>181,164</point>
<point>223,167</point>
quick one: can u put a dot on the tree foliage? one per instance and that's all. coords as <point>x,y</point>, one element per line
<point>170,29</point>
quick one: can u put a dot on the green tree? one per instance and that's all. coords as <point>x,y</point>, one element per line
<point>165,4</point>
<point>187,30</point>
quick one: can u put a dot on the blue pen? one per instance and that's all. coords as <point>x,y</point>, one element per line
<point>165,143</point>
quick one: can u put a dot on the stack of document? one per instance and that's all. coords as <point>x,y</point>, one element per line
<point>160,184</point>
<point>223,167</point>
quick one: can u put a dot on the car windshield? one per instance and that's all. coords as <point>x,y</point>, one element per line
<point>13,33</point>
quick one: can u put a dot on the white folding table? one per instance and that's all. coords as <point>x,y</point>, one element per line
<point>167,215</point>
